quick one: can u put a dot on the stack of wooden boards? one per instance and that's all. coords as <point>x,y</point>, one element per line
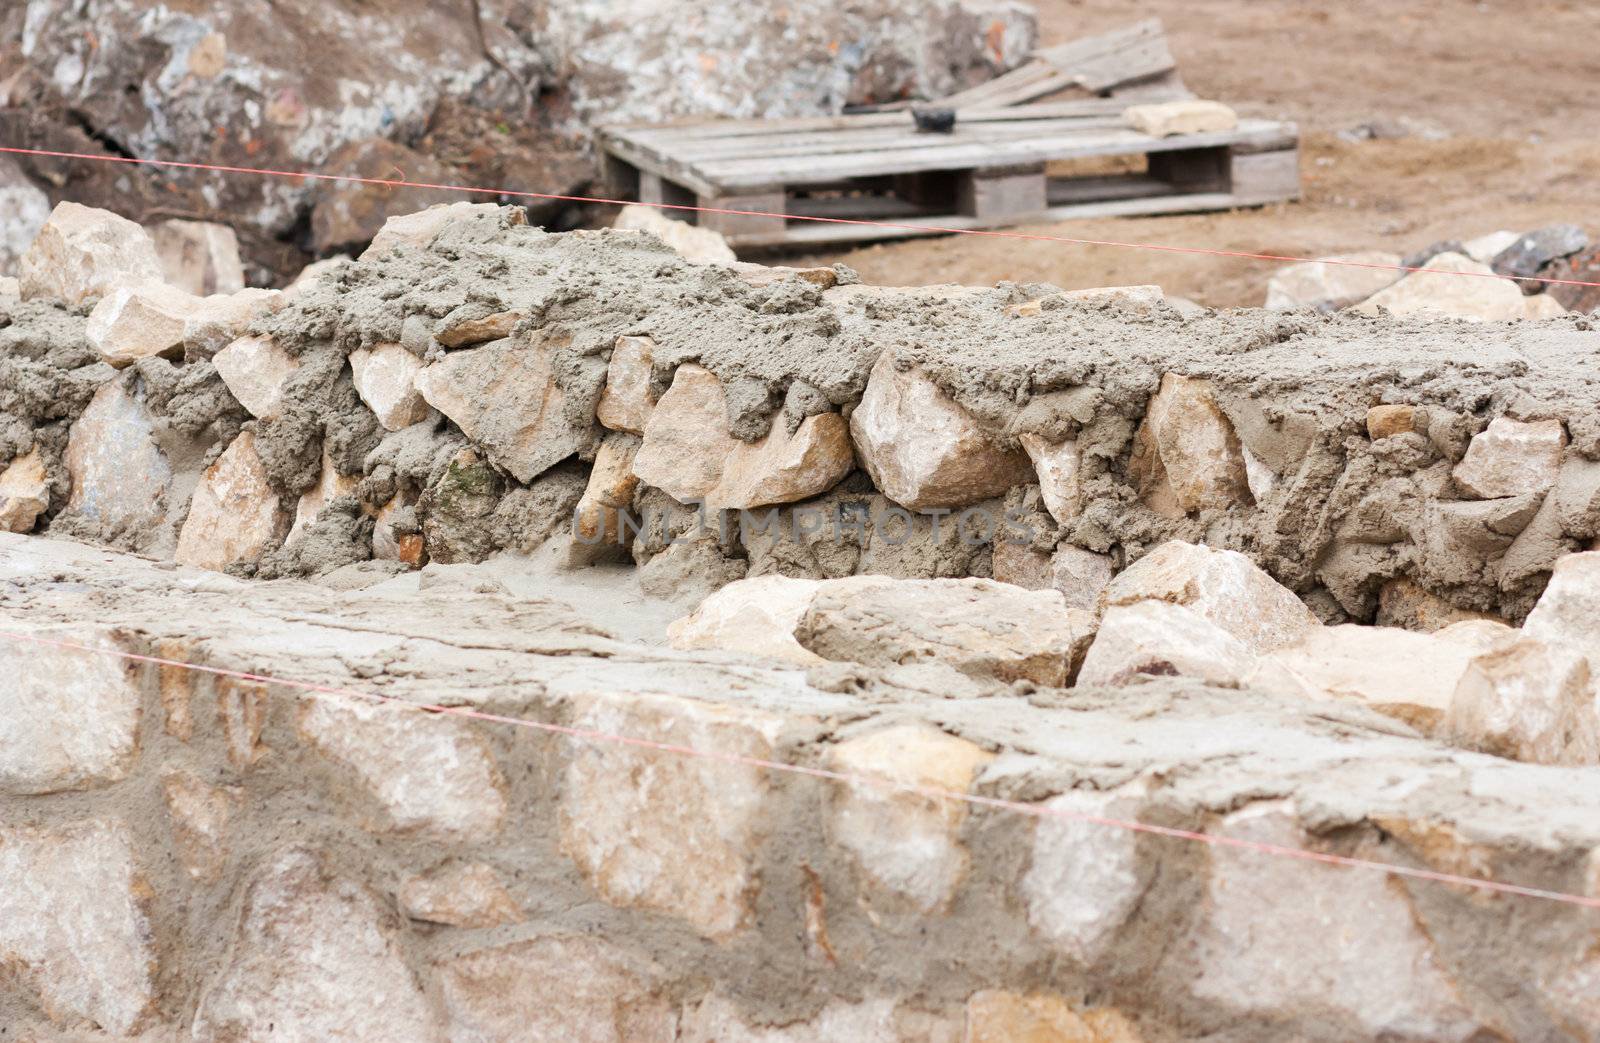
<point>1046,141</point>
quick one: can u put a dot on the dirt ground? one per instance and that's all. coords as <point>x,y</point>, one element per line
<point>1498,98</point>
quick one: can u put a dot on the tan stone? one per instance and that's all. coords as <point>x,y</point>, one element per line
<point>1223,587</point>
<point>385,378</point>
<point>1084,878</point>
<point>71,718</point>
<point>1056,464</point>
<point>427,774</point>
<point>756,616</point>
<point>555,987</point>
<point>217,321</point>
<point>316,273</point>
<point>467,332</point>
<point>761,275</point>
<point>255,370</point>
<point>140,321</point>
<point>717,1019</point>
<point>1331,283</point>
<point>120,477</point>
<point>306,941</point>
<point>1020,565</point>
<point>459,894</point>
<point>998,1016</point>
<point>1383,421</point>
<point>505,397</point>
<point>905,845</point>
<point>1190,116</point>
<point>330,486</point>
<point>1511,457</point>
<point>1187,457</point>
<point>922,449</point>
<point>234,515</point>
<point>598,518</point>
<point>1567,614</point>
<point>694,244</point>
<point>1527,700</point>
<point>391,544</point>
<point>1485,248</point>
<point>784,467</point>
<point>635,820</point>
<point>81,254</point>
<point>73,928</point>
<point>626,403</point>
<point>416,231</point>
<point>1456,287</point>
<point>1402,603</point>
<point>1081,575</point>
<point>10,288</point>
<point>200,816</point>
<point>977,626</point>
<point>1372,965</point>
<point>24,492</point>
<point>198,257</point>
<point>242,717</point>
<point>1160,639</point>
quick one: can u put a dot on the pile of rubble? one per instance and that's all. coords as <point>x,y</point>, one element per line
<point>1375,281</point>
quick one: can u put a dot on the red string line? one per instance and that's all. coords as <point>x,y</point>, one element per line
<point>903,226</point>
<point>939,793</point>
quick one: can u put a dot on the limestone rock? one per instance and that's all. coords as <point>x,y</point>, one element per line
<point>465,333</point>
<point>505,397</point>
<point>200,816</point>
<point>1531,252</point>
<point>694,244</point>
<point>255,370</point>
<point>1020,565</point>
<point>10,289</point>
<point>1455,287</point>
<point>391,541</point>
<point>784,467</point>
<point>922,449</point>
<point>1141,299</point>
<point>1331,283</point>
<point>1084,879</point>
<point>459,894</point>
<point>1223,587</point>
<point>1567,614</point>
<point>1186,456</point>
<point>637,821</point>
<point>330,486</point>
<point>1056,464</point>
<point>761,275</point>
<point>427,774</point>
<point>1485,248</point>
<point>24,492</point>
<point>598,518</point>
<point>134,322</point>
<point>73,928</point>
<point>998,1016</point>
<point>234,515</point>
<point>120,477</point>
<point>1081,575</point>
<point>1512,457</point>
<point>977,626</point>
<point>222,318</point>
<point>626,403</point>
<point>26,210</point>
<point>1160,639</point>
<point>385,378</point>
<point>905,844</point>
<point>71,719</point>
<point>314,956</point>
<point>198,257</point>
<point>81,254</point>
<point>717,1019</point>
<point>416,231</point>
<point>555,987</point>
<point>1192,116</point>
<point>1373,968</point>
<point>1530,701</point>
<point>316,273</point>
<point>1384,421</point>
<point>756,616</point>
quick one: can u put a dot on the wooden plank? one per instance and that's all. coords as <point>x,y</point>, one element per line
<point>1064,191</point>
<point>868,207</point>
<point>838,142</point>
<point>621,178</point>
<point>1110,60</point>
<point>1267,177</point>
<point>647,160</point>
<point>653,188</point>
<point>737,225</point>
<point>1001,192</point>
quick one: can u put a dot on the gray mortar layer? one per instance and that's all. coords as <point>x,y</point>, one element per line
<point>1296,387</point>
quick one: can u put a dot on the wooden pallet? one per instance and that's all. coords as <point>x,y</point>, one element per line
<point>999,166</point>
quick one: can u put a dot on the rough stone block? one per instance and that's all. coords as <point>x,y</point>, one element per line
<point>465,332</point>
<point>1531,252</point>
<point>694,244</point>
<point>1084,878</point>
<point>331,485</point>
<point>24,492</point>
<point>607,499</point>
<point>81,254</point>
<point>198,257</point>
<point>1081,575</point>
<point>140,321</point>
<point>416,231</point>
<point>385,378</point>
<point>1456,287</point>
<point>1387,420</point>
<point>255,370</point>
<point>626,403</point>
<point>26,209</point>
<point>1530,701</point>
<point>1056,464</point>
<point>219,320</point>
<point>758,616</point>
<point>1193,116</point>
<point>459,894</point>
<point>201,815</point>
<point>1160,639</point>
<point>1186,456</point>
<point>234,515</point>
<point>1567,614</point>
<point>1326,286</point>
<point>1512,457</point>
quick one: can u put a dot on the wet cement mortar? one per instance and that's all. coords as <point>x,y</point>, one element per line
<point>1346,513</point>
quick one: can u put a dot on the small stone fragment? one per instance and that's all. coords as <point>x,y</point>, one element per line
<point>1187,457</point>
<point>1080,575</point>
<point>134,322</point>
<point>626,403</point>
<point>1084,879</point>
<point>1387,420</point>
<point>1332,283</point>
<point>317,272</point>
<point>1530,701</point>
<point>1536,249</point>
<point>416,231</point>
<point>761,275</point>
<point>1159,639</point>
<point>82,254</point>
<point>330,486</point>
<point>756,616</point>
<point>468,332</point>
<point>24,492</point>
<point>1056,464</point>
<point>26,210</point>
<point>1512,457</point>
<point>598,518</point>
<point>385,378</point>
<point>1164,119</point>
<point>1485,248</point>
<point>234,515</point>
<point>392,542</point>
<point>922,449</point>
<point>784,467</point>
<point>459,894</point>
<point>198,257</point>
<point>1454,287</point>
<point>120,478</point>
<point>694,244</point>
<point>255,370</point>
<point>200,816</point>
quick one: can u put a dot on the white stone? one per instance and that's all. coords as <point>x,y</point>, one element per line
<point>459,894</point>
<point>1056,464</point>
<point>216,321</point>
<point>1083,878</point>
<point>385,378</point>
<point>201,815</point>
<point>653,830</point>
<point>922,449</point>
<point>1223,587</point>
<point>626,402</point>
<point>70,717</point>
<point>1567,614</point>
<point>134,322</point>
<point>24,492</point>
<point>199,257</point>
<point>1156,638</point>
<point>905,844</point>
<point>255,370</point>
<point>1528,700</point>
<point>1456,287</point>
<point>717,1019</point>
<point>1331,283</point>
<point>416,231</point>
<point>1281,937</point>
<point>756,616</point>
<point>1485,248</point>
<point>1186,455</point>
<point>1081,575</point>
<point>120,477</point>
<point>81,254</point>
<point>315,956</point>
<point>23,211</point>
<point>73,927</point>
<point>10,288</point>
<point>428,774</point>
<point>694,244</point>
<point>234,515</point>
<point>1512,457</point>
<point>1190,116</point>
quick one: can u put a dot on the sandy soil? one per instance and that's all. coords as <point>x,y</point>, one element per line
<point>1509,84</point>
